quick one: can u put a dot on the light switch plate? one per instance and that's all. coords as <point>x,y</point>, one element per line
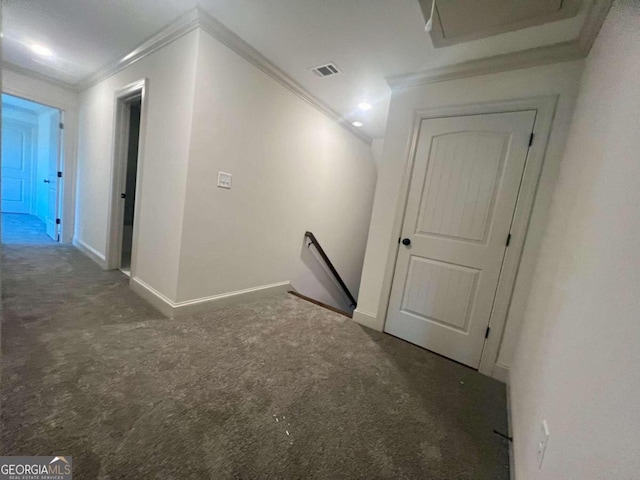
<point>224,180</point>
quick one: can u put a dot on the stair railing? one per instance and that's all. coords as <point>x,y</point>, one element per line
<point>314,241</point>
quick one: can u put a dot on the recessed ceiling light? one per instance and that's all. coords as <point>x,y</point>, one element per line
<point>41,50</point>
<point>364,106</point>
<point>357,124</point>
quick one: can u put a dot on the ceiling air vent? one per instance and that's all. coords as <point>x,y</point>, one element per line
<point>325,70</point>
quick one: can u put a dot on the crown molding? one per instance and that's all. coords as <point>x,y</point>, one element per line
<point>227,37</point>
<point>183,25</point>
<point>593,22</point>
<point>560,52</point>
<point>197,18</point>
<point>12,67</point>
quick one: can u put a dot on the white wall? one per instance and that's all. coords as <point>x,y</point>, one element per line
<point>37,90</point>
<point>577,364</point>
<point>377,146</point>
<point>293,170</point>
<point>161,187</point>
<point>560,79</point>
<point>208,109</point>
<point>67,100</point>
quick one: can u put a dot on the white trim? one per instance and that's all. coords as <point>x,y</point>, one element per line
<point>592,24</point>
<point>160,302</point>
<point>115,215</point>
<point>90,252</point>
<point>559,52</point>
<point>39,76</point>
<point>545,107</point>
<point>198,18</point>
<point>501,372</point>
<point>224,35</point>
<point>188,307</point>
<point>181,26</point>
<point>216,298</point>
<point>36,96</point>
<point>365,319</point>
<point>556,53</point>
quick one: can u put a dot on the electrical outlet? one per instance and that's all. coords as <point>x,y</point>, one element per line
<point>543,438</point>
<point>224,180</point>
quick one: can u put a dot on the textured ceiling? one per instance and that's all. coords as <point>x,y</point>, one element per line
<point>367,39</point>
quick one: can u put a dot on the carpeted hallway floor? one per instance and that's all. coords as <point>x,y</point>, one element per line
<point>20,228</point>
<point>275,388</point>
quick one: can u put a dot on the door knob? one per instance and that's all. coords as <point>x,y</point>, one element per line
<point>47,181</point>
<point>406,242</point>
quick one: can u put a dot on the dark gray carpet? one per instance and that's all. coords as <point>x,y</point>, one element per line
<point>23,229</point>
<point>276,388</point>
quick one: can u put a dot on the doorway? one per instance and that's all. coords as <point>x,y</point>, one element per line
<point>463,191</point>
<point>31,175</point>
<point>125,180</point>
<point>130,184</point>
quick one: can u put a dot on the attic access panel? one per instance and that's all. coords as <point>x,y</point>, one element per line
<point>457,21</point>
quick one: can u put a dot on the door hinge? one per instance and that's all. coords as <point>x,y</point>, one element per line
<point>508,239</point>
<point>59,174</point>
<point>486,334</point>
<point>57,221</point>
<point>61,125</point>
<point>531,140</point>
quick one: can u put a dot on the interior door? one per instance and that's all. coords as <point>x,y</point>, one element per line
<point>462,196</point>
<point>53,196</point>
<point>16,167</point>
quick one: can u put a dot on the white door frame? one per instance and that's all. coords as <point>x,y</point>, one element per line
<point>545,108</point>
<point>122,107</point>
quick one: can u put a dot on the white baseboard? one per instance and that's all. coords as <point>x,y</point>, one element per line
<point>90,252</point>
<point>163,304</point>
<point>189,307</point>
<point>367,320</point>
<point>501,373</point>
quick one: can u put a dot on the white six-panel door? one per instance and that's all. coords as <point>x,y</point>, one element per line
<point>462,195</point>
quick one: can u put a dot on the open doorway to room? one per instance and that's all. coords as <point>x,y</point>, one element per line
<point>129,121</point>
<point>31,177</point>
<point>130,184</point>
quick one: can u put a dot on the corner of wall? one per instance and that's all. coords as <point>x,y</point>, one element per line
<point>194,92</point>
<point>90,252</point>
<point>368,320</point>
<point>165,141</point>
